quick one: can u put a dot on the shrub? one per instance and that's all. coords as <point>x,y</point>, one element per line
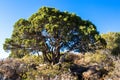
<point>70,57</point>
<point>28,59</point>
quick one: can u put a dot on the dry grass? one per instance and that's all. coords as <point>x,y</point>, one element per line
<point>32,67</point>
<point>90,58</point>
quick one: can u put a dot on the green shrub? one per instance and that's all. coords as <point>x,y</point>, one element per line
<point>28,59</point>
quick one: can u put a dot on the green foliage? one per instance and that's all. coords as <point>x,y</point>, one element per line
<point>113,42</point>
<point>30,75</point>
<point>50,30</point>
<point>32,59</point>
<point>97,57</point>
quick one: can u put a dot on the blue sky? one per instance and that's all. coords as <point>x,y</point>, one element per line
<point>105,14</point>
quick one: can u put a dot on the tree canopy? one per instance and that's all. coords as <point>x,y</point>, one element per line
<point>50,31</point>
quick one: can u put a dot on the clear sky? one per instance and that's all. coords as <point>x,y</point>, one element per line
<point>105,14</point>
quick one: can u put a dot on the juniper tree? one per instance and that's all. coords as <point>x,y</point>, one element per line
<point>49,31</point>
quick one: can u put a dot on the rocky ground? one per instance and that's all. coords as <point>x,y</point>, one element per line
<point>88,66</point>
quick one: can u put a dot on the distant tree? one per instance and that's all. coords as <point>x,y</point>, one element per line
<point>49,31</point>
<point>113,42</point>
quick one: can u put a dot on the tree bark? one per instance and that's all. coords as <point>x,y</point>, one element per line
<point>45,57</point>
